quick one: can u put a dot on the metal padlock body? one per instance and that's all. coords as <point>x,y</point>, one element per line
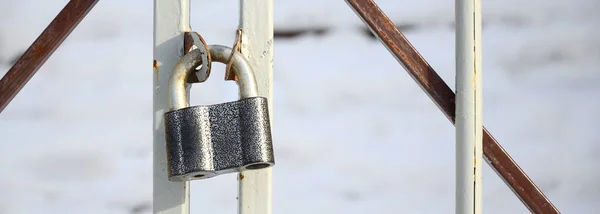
<point>208,140</point>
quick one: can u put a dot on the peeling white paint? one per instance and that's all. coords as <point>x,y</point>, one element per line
<point>256,22</point>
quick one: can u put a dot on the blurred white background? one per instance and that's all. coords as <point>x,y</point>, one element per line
<point>353,132</point>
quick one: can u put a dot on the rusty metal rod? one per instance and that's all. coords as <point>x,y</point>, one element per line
<point>37,54</point>
<point>444,98</point>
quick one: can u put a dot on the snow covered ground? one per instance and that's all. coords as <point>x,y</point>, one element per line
<point>353,132</point>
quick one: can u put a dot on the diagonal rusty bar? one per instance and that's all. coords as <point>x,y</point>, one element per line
<point>444,97</point>
<point>37,54</point>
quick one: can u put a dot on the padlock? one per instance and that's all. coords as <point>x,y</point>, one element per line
<point>209,140</point>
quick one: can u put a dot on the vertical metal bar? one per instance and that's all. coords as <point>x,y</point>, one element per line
<point>435,87</point>
<point>256,23</point>
<point>478,111</point>
<point>468,107</point>
<point>171,20</point>
<point>42,48</point>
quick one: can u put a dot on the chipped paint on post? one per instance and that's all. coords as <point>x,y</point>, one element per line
<point>256,24</point>
<point>468,107</point>
<point>171,20</point>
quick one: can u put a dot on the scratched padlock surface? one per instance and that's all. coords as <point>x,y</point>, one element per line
<point>218,139</point>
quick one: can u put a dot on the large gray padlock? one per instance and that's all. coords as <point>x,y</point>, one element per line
<point>208,140</point>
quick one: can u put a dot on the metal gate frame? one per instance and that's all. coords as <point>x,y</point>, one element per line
<point>416,66</point>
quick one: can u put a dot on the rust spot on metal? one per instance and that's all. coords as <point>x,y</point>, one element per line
<point>403,27</point>
<point>236,48</point>
<point>444,98</point>
<point>241,177</point>
<point>475,168</point>
<point>42,48</point>
<point>188,43</point>
<point>474,76</point>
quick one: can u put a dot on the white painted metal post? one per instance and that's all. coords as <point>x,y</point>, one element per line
<point>468,107</point>
<point>256,22</point>
<point>171,20</point>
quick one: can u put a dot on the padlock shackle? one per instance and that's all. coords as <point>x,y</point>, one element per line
<point>187,66</point>
<point>241,68</point>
